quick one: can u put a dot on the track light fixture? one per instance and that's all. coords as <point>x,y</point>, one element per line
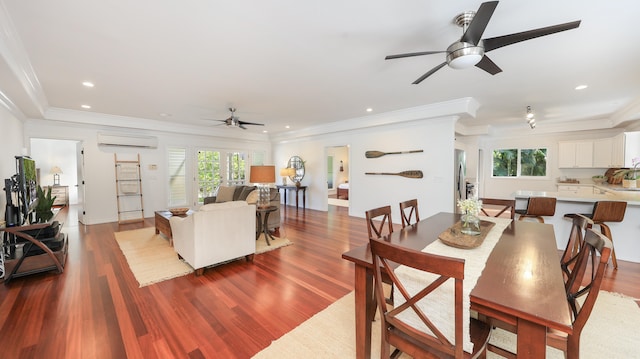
<point>530,118</point>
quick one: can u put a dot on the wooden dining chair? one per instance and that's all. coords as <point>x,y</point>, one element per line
<point>377,220</point>
<point>537,207</point>
<point>585,281</point>
<point>499,207</point>
<point>412,207</point>
<point>404,336</point>
<point>575,243</point>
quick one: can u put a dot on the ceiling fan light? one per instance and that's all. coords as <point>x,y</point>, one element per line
<point>462,55</point>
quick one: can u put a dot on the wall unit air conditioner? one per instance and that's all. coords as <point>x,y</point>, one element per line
<point>105,139</point>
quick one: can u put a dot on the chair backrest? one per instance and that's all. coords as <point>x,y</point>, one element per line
<point>609,211</point>
<point>586,277</point>
<point>541,206</point>
<point>412,207</point>
<point>574,244</point>
<point>383,215</point>
<point>385,255</point>
<point>503,205</point>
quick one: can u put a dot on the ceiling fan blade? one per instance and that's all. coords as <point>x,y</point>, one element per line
<point>479,22</point>
<point>488,65</point>
<point>391,57</point>
<point>250,123</point>
<point>242,127</point>
<point>500,41</point>
<point>419,80</point>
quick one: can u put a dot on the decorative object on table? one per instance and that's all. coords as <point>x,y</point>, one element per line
<point>629,175</point>
<point>470,210</point>
<point>376,154</point>
<point>298,164</point>
<point>408,174</point>
<point>454,237</point>
<point>287,172</point>
<point>43,208</point>
<point>56,171</point>
<point>262,176</point>
<point>181,211</point>
<point>599,179</point>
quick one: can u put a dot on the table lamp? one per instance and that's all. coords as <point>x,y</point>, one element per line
<point>56,175</point>
<point>262,176</point>
<point>287,172</point>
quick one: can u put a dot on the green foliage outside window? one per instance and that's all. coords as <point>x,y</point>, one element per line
<point>236,162</point>
<point>524,162</point>
<point>505,163</point>
<point>533,162</point>
<point>209,177</point>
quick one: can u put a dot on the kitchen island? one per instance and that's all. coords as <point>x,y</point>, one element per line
<point>626,234</point>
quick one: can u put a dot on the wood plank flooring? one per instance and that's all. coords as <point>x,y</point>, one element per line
<point>96,310</point>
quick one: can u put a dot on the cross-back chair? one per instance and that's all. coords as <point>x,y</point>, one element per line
<point>504,206</point>
<point>381,215</point>
<point>412,207</point>
<point>575,243</point>
<point>585,281</point>
<point>402,335</point>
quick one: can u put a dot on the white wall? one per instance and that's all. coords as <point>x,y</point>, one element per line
<point>50,153</point>
<point>100,194</point>
<point>434,192</point>
<point>11,145</point>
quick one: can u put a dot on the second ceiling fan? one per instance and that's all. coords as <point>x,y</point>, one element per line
<point>471,49</point>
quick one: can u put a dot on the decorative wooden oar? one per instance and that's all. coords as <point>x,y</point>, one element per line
<point>376,154</point>
<point>408,174</point>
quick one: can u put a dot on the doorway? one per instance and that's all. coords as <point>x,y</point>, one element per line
<point>338,175</point>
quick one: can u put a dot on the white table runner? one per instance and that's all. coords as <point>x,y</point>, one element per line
<point>440,311</point>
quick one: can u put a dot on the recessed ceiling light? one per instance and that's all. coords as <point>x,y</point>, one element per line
<point>581,87</point>
<point>86,106</point>
<point>264,131</point>
<point>87,84</point>
<point>369,109</point>
<point>287,126</point>
<point>164,114</point>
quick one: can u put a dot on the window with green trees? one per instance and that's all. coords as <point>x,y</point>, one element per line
<point>209,176</point>
<point>530,162</point>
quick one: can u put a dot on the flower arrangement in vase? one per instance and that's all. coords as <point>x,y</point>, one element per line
<point>470,210</point>
<point>629,176</point>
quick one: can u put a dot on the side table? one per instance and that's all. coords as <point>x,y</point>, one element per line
<point>262,213</point>
<point>162,223</point>
<point>297,189</point>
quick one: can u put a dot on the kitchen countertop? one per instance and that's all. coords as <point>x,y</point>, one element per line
<point>612,193</point>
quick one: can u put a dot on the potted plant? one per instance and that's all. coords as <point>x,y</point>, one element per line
<point>629,175</point>
<point>43,208</point>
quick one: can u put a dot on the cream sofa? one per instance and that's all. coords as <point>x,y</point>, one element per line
<point>216,233</point>
<point>246,193</point>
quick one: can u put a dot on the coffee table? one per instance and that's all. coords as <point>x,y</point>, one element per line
<point>162,223</point>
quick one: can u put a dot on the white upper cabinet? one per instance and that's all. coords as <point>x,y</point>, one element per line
<point>575,154</point>
<point>608,152</point>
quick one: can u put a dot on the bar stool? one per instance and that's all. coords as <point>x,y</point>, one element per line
<point>537,207</point>
<point>604,212</point>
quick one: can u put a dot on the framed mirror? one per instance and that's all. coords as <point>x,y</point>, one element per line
<point>297,163</point>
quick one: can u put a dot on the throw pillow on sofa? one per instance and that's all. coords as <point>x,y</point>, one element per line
<point>252,198</point>
<point>246,190</point>
<point>225,194</point>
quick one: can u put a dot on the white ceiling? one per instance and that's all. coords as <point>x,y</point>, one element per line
<point>301,63</point>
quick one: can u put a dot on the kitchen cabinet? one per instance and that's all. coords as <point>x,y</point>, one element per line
<point>576,189</point>
<point>575,154</point>
<point>608,152</point>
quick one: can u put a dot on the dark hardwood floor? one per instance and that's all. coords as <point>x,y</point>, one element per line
<point>96,310</point>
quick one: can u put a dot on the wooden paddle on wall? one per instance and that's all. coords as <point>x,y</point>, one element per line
<point>408,174</point>
<point>376,154</point>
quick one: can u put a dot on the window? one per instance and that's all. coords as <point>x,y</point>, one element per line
<point>177,158</point>
<point>530,162</point>
<point>236,168</point>
<point>209,176</point>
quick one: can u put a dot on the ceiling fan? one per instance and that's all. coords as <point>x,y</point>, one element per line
<point>471,48</point>
<point>234,121</point>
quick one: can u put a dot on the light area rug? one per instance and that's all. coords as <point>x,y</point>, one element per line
<point>150,257</point>
<point>152,260</point>
<point>262,247</point>
<point>611,332</point>
<point>338,202</point>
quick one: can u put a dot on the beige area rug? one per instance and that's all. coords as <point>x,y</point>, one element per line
<point>611,333</point>
<point>338,202</point>
<point>150,257</point>
<point>261,244</point>
<point>153,260</point>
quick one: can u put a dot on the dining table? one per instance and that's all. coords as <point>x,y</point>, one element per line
<point>521,283</point>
